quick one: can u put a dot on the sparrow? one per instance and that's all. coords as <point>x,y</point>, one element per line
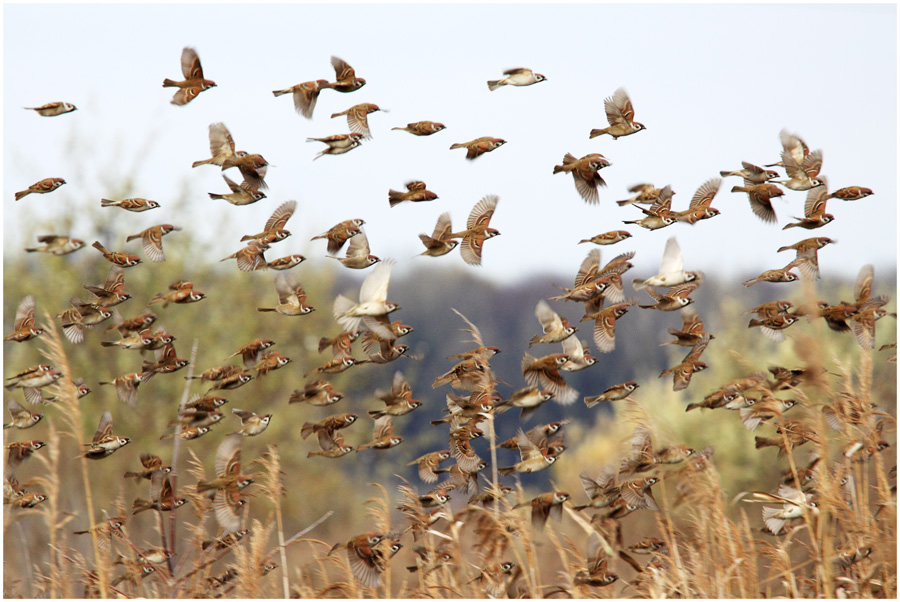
<point>243,194</point>
<point>286,262</point>
<point>644,194</point>
<point>23,327</point>
<point>125,260</point>
<point>544,373</point>
<point>479,146</point>
<point>250,352</point>
<point>699,208</point>
<point>793,504</point>
<point>671,269</point>
<point>620,115</point>
<point>605,324</point>
<point>193,83</point>
<point>814,215</point>
<point>338,144</point>
<point>851,193</point>
<point>111,527</point>
<point>21,418</point>
<point>104,442</point>
<point>151,239</point>
<point>863,325</point>
<point>608,238</point>
<point>372,303</point>
<point>21,451</point>
<point>422,128</point>
<point>585,171</point>
<point>316,393</point>
<point>204,403</point>
<point>468,374</point>
<point>345,77</point>
<point>135,324</point>
<point>637,493</point>
<point>251,423</point>
<point>603,491</point>
<point>761,196</point>
<point>751,173</point>
<point>542,436</point>
<point>221,372</point>
<point>28,499</point>
<point>440,242</point>
<point>773,327</point>
<point>182,292</point>
<point>461,434</point>
<point>366,563</point>
<point>782,275</point>
<point>766,409</point>
<point>691,330</point>
<point>305,95</point>
<point>127,385</point>
<point>555,329</point>
<point>37,376</point>
<point>151,464</point>
<point>398,400</point>
<point>80,388</point>
<point>52,109</point>
<point>795,433</point>
<point>112,292</point>
<point>358,255</point>
<point>793,145</point>
<point>80,316</point>
<point>643,457</point>
<point>477,229</point>
<point>543,506</point>
<point>489,496</point>
<point>533,458</point>
<point>226,541</point>
<point>597,573</point>
<point>428,463</point>
<point>383,437</point>
<point>135,205</point>
<point>44,186</point>
<point>691,364</point>
<point>253,167</point>
<point>251,257</point>
<point>674,299</point>
<point>187,434</point>
<point>332,444</point>
<point>474,407</point>
<point>56,245</point>
<point>274,230</point>
<point>341,345</point>
<point>613,393</point>
<point>162,496</point>
<point>415,193</point>
<point>357,118</point>
<point>579,357</point>
<point>654,222</point>
<point>802,173</point>
<point>807,260</point>
<point>334,366</point>
<point>340,233</point>
<point>328,425</point>
<point>516,77</point>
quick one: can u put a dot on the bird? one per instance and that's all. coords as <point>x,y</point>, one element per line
<point>151,464</point>
<point>250,352</point>
<point>528,400</point>
<point>477,229</point>
<point>181,292</point>
<point>814,215</point>
<point>519,76</point>
<point>56,245</point>
<point>691,330</point>
<point>332,444</point>
<point>544,373</point>
<point>613,393</point>
<point>794,145</point>
<point>544,505</point>
<point>644,194</point>
<point>383,436</point>
<point>80,316</point>
<point>21,418</point>
<point>253,167</point>
<point>135,205</point>
<point>807,260</point>
<point>43,187</point>
<point>761,196</point>
<point>338,144</point>
<point>585,171</point>
<point>194,83</point>
<point>340,233</point>
<point>241,194</point>
<point>691,364</point>
<point>366,563</point>
<point>316,393</point>
<point>554,328</point>
<point>607,238</point>
<point>52,109</point>
<point>104,442</point>
<point>851,193</point>
<point>328,425</point>
<point>620,115</point>
<point>358,255</point>
<point>398,400</point>
<point>674,299</point>
<point>751,173</point>
<point>274,230</point>
<point>479,146</point>
<point>162,496</point>
<point>416,193</point>
<point>125,260</point>
<point>151,239</point>
<point>291,298</point>
<point>699,208</point>
<point>23,326</point>
<point>345,77</point>
<point>373,303</point>
<point>671,269</point>
<point>533,459</point>
<point>305,95</point>
<point>422,128</point>
<point>357,118</point>
<point>251,423</point>
<point>578,353</point>
<point>285,263</point>
<point>803,173</point>
<point>779,275</point>
<point>20,451</point>
<point>440,242</point>
<point>251,257</point>
<point>127,385</point>
<point>605,324</point>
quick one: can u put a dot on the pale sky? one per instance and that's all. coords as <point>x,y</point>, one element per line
<point>714,84</point>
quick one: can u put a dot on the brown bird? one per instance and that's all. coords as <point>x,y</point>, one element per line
<point>699,208</point>
<point>274,230</point>
<point>23,327</point>
<point>43,187</point>
<point>332,444</point>
<point>291,298</point>
<point>781,275</point>
<point>56,245</point>
<point>644,194</point>
<point>253,167</point>
<point>477,229</point>
<point>613,393</point>
<point>814,215</point>
<point>772,327</point>
<point>422,128</point>
<point>193,83</point>
<point>428,463</point>
<point>554,328</point>
<point>544,373</point>
<point>851,193</point>
<point>674,299</point>
<point>345,77</point>
<point>285,263</point>
<point>127,385</point>
<point>803,173</point>
<point>543,506</point>
<point>305,95</point>
<point>752,173</point>
<point>251,423</point>
<point>162,496</point>
<point>316,393</point>
<point>270,360</point>
<point>135,205</point>
<point>691,330</point>
<point>166,361</point>
<point>112,292</point>
<point>643,457</point>
<point>761,196</point>
<point>80,316</point>
<point>328,425</point>
<point>340,233</point>
<point>21,451</point>
<point>251,257</point>
<point>383,437</point>
<point>151,464</point>
<point>608,238</point>
<point>534,459</point>
<point>366,561</point>
<point>807,260</point>
<point>241,194</point>
<point>125,260</point>
<point>358,253</point>
<point>416,193</point>
<point>21,418</point>
<point>519,76</point>
<point>479,146</point>
<point>52,109</point>
<point>398,400</point>
<point>135,324</point>
<point>357,118</point>
<point>586,173</point>
<point>338,144</point>
<point>620,115</point>
<point>440,242</point>
<point>691,364</point>
<point>104,442</point>
<point>250,352</point>
<point>605,324</point>
<point>182,292</point>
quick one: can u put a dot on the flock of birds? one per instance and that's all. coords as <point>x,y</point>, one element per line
<point>472,400</point>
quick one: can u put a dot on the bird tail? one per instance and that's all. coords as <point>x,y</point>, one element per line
<point>140,505</point>
<point>395,197</point>
<point>168,83</point>
<point>107,203</point>
<point>598,132</point>
<point>507,470</point>
<point>457,145</point>
<point>130,474</point>
<point>22,194</point>
<point>306,430</point>
<point>132,237</point>
<point>493,84</point>
<point>213,195</point>
<point>280,92</point>
<point>725,174</point>
<point>738,189</point>
<point>754,322</point>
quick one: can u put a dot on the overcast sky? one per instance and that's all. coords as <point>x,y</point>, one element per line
<point>714,84</point>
